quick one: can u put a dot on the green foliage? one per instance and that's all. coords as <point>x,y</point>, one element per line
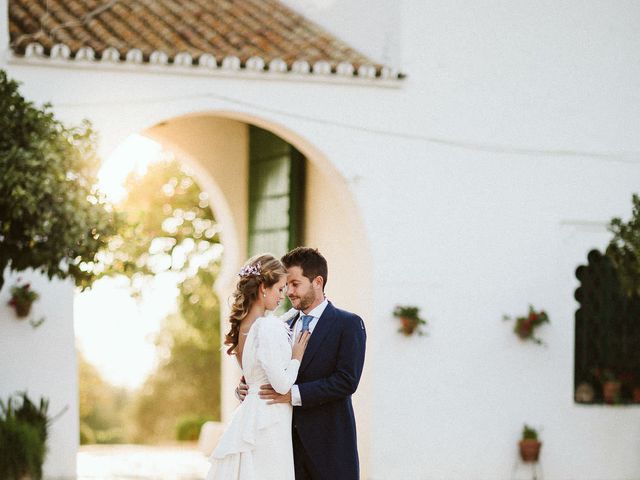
<point>169,227</point>
<point>188,428</point>
<point>104,415</point>
<point>52,217</point>
<point>23,437</point>
<point>529,433</point>
<point>23,293</point>
<point>607,331</point>
<point>624,249</point>
<point>187,380</point>
<point>21,450</point>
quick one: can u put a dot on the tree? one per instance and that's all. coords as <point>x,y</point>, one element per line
<point>624,249</point>
<point>52,217</point>
<point>186,382</point>
<point>169,227</point>
<point>103,407</point>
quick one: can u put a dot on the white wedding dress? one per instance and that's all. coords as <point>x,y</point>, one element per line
<point>257,442</point>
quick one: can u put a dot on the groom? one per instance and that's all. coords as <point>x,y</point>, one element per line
<point>324,427</point>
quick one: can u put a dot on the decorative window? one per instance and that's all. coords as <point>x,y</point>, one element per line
<point>607,336</point>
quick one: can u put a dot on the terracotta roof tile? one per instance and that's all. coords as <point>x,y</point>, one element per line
<point>241,28</point>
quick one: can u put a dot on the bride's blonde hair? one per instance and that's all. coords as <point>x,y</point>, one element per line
<point>262,269</point>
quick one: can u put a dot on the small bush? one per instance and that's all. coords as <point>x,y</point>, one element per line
<point>87,436</point>
<point>188,428</point>
<point>23,437</point>
<point>110,435</point>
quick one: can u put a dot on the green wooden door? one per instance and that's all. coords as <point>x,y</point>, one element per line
<point>276,194</point>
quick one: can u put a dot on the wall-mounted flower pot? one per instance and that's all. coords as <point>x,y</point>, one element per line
<point>408,325</point>
<point>611,391</point>
<point>410,321</point>
<point>23,309</point>
<point>530,450</point>
<point>635,395</point>
<point>22,297</point>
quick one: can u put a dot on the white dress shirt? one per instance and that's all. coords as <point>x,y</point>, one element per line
<point>296,401</point>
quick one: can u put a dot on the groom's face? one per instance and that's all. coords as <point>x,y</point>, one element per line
<point>300,289</point>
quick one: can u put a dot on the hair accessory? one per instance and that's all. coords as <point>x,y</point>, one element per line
<point>249,270</point>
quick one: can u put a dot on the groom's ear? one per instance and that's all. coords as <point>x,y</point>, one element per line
<point>318,282</point>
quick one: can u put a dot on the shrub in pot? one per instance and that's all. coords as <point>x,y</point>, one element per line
<point>529,445</point>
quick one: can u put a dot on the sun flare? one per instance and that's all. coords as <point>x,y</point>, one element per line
<point>133,155</point>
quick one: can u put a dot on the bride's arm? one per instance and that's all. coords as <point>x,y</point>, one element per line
<point>272,341</point>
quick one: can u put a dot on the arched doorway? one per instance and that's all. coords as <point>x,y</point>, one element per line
<point>215,145</point>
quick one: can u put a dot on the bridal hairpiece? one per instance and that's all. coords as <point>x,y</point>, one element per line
<point>249,270</point>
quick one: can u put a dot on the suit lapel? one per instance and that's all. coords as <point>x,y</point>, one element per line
<point>324,326</point>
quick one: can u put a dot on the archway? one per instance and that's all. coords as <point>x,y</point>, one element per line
<point>214,144</point>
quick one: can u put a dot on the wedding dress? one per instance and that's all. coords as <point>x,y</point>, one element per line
<point>257,442</point>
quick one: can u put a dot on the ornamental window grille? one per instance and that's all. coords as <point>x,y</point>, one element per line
<point>607,333</point>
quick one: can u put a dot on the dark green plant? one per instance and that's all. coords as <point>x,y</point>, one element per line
<point>188,428</point>
<point>529,433</point>
<point>23,293</point>
<point>624,249</point>
<point>22,296</point>
<point>52,217</point>
<point>409,315</point>
<point>607,331</point>
<point>23,437</point>
<point>22,451</point>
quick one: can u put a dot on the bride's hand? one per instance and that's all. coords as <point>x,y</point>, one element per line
<point>299,345</point>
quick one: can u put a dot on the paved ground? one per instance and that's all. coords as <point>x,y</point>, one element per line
<point>136,462</point>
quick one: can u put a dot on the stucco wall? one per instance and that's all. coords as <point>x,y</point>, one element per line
<point>332,227</point>
<point>42,361</point>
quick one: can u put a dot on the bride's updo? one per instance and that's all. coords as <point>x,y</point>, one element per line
<point>262,269</point>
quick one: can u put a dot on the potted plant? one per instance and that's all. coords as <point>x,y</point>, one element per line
<point>23,430</point>
<point>525,326</point>
<point>635,394</point>
<point>529,445</point>
<point>410,319</point>
<point>610,386</point>
<point>22,297</point>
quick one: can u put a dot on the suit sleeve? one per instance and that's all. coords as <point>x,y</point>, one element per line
<point>273,343</point>
<point>344,380</point>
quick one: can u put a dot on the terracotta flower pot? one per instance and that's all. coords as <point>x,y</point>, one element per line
<point>636,394</point>
<point>611,391</point>
<point>22,308</point>
<point>408,325</point>
<point>530,450</point>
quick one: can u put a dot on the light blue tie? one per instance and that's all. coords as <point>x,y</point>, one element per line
<point>306,320</point>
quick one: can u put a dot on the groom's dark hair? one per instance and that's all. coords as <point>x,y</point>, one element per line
<point>312,263</point>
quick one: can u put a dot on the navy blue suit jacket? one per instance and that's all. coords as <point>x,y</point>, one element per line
<point>329,374</point>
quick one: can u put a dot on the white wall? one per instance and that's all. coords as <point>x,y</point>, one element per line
<point>331,225</point>
<point>42,361</point>
<point>522,143</point>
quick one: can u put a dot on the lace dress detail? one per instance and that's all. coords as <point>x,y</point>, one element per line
<point>257,442</point>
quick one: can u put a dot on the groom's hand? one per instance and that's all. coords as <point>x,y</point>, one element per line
<point>268,393</point>
<point>242,389</point>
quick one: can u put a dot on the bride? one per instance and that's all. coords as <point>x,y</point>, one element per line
<point>257,442</point>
